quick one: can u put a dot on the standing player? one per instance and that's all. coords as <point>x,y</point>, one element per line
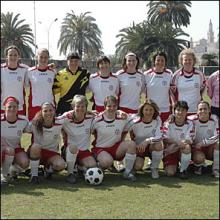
<point>109,143</point>
<point>78,137</point>
<point>206,141</point>
<point>13,126</point>
<point>41,79</point>
<point>145,131</point>
<point>13,79</point>
<point>46,131</point>
<point>177,134</point>
<point>188,83</point>
<point>131,84</point>
<point>158,83</point>
<point>69,82</point>
<point>103,83</point>
<point>213,92</point>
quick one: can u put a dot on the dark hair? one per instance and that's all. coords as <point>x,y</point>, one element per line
<point>102,59</point>
<point>12,47</point>
<point>160,53</point>
<point>124,66</point>
<point>152,104</point>
<point>73,55</point>
<point>181,104</point>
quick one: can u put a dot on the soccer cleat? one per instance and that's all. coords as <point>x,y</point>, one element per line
<point>113,169</point>
<point>198,170</point>
<point>215,173</point>
<point>183,175</point>
<point>34,180</point>
<point>129,176</point>
<point>154,173</point>
<point>4,180</point>
<point>71,178</point>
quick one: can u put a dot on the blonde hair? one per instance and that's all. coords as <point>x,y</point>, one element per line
<point>79,99</point>
<point>110,98</point>
<point>43,50</point>
<point>188,52</point>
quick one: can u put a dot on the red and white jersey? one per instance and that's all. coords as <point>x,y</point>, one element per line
<point>78,133</point>
<point>13,83</point>
<point>51,136</point>
<point>102,87</point>
<point>130,88</point>
<point>158,87</point>
<point>11,133</point>
<point>41,83</point>
<point>107,133</point>
<point>140,130</point>
<point>188,87</point>
<point>178,133</point>
<point>206,132</point>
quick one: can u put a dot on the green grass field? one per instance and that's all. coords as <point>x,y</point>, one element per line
<point>115,198</point>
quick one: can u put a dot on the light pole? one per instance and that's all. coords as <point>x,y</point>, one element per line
<point>48,33</point>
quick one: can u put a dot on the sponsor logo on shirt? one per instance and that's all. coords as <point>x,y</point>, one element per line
<point>117,131</point>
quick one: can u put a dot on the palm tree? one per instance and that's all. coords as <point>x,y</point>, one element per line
<point>146,38</point>
<point>14,32</point>
<point>175,12</point>
<point>80,34</point>
<point>209,59</point>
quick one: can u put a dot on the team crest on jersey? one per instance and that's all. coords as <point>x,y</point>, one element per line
<point>110,87</point>
<point>164,83</point>
<point>66,78</point>
<point>117,131</point>
<point>209,132</point>
<point>19,132</point>
<point>49,80</point>
<point>56,136</point>
<point>182,136</point>
<point>87,130</point>
<point>138,83</point>
<point>196,85</point>
<point>19,78</point>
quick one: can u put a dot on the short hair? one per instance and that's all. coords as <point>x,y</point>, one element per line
<point>189,52</point>
<point>102,59</point>
<point>181,104</point>
<point>152,104</point>
<point>12,47</point>
<point>79,99</point>
<point>160,53</point>
<point>73,55</point>
<point>124,66</point>
<point>110,98</point>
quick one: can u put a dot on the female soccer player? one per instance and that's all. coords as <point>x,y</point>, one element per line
<point>177,138</point>
<point>158,85</point>
<point>78,137</point>
<point>13,79</point>
<point>41,79</point>
<point>103,83</point>
<point>188,83</point>
<point>109,144</point>
<point>213,92</point>
<point>13,126</point>
<point>206,140</point>
<point>46,131</point>
<point>146,132</point>
<point>131,84</point>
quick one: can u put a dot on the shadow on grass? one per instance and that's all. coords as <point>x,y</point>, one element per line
<point>111,180</point>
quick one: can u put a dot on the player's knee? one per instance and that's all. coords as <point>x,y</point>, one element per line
<point>35,151</point>
<point>131,147</point>
<point>105,163</point>
<point>59,165</point>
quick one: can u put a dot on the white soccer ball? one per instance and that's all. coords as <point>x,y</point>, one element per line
<point>94,176</point>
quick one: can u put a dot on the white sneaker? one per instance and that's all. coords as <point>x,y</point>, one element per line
<point>215,173</point>
<point>154,173</point>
